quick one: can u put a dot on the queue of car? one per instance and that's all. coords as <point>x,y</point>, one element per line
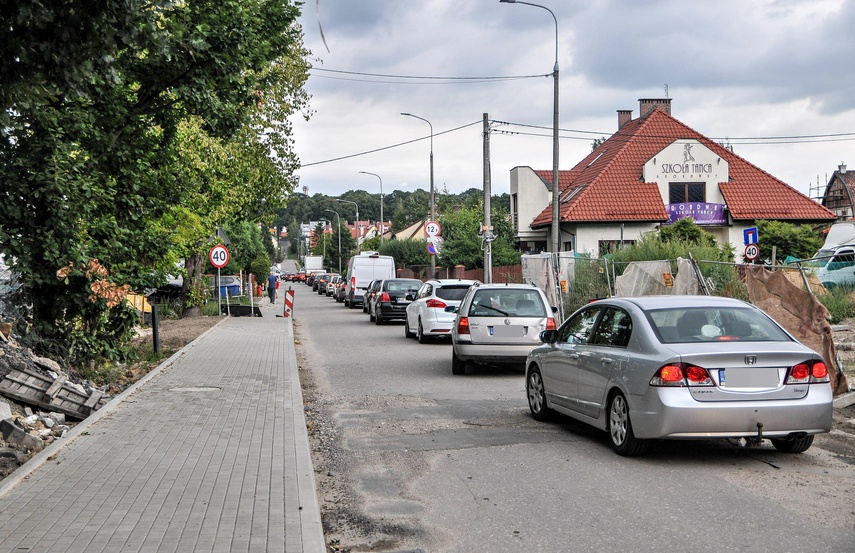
<point>638,368</point>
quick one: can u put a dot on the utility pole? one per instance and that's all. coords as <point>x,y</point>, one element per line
<point>487,228</point>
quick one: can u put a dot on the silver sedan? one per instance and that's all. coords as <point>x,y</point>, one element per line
<point>680,367</point>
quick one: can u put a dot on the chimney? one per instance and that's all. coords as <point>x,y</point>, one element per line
<point>842,168</point>
<point>645,106</point>
<point>624,116</point>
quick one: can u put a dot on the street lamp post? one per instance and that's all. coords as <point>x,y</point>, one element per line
<point>381,201</point>
<point>556,192</point>
<point>338,220</point>
<point>357,220</point>
<point>432,200</point>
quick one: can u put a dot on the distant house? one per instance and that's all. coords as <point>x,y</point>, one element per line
<point>839,194</point>
<point>653,171</point>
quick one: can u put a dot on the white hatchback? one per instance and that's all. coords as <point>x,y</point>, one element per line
<point>427,315</point>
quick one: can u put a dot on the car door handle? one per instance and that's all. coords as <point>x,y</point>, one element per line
<point>607,361</point>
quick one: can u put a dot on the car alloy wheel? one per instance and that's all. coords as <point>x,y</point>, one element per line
<point>537,396</point>
<point>620,431</point>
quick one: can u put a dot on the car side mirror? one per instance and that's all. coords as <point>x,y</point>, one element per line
<point>409,297</point>
<point>451,309</point>
<point>549,336</point>
<point>554,309</point>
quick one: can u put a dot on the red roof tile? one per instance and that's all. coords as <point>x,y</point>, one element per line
<point>608,181</point>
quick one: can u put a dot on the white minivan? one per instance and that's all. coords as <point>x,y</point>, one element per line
<point>361,270</point>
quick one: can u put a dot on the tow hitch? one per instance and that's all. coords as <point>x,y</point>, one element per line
<point>752,441</point>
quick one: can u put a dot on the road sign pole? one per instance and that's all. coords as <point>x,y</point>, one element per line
<point>219,299</point>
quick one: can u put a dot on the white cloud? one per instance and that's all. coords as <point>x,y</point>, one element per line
<point>734,69</point>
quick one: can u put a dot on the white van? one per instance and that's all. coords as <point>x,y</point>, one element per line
<point>361,270</point>
<point>835,262</point>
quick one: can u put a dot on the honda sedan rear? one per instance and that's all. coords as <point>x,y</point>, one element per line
<point>681,367</point>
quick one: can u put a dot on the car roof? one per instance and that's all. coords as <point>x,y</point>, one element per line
<point>447,281</point>
<point>660,302</point>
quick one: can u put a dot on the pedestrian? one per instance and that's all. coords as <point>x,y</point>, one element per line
<point>272,281</point>
<point>277,288</point>
<point>258,290</point>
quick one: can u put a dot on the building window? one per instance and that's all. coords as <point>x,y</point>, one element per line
<point>686,192</point>
<point>515,213</point>
<point>611,246</point>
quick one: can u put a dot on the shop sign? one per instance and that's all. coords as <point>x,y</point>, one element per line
<point>701,213</point>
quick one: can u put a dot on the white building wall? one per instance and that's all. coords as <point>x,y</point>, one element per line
<point>588,237</point>
<point>532,196</point>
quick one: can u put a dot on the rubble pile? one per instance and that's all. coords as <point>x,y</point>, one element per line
<point>30,388</point>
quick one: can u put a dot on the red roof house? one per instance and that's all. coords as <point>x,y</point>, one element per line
<point>653,171</point>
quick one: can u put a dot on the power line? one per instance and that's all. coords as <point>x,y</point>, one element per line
<point>739,140</point>
<point>447,80</point>
<point>478,122</point>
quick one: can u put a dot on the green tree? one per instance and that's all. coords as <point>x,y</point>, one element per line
<point>800,241</point>
<point>462,244</point>
<point>93,96</point>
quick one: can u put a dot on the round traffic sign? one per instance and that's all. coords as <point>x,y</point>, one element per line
<point>432,228</point>
<point>752,251</point>
<point>219,256</point>
<point>431,248</point>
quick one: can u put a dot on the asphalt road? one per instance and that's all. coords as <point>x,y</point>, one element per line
<point>410,457</point>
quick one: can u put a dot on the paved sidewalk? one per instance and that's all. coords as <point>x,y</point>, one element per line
<point>208,453</point>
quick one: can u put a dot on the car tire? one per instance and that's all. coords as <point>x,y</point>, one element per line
<point>377,320</point>
<point>350,303</point>
<point>797,445</point>
<point>371,316</point>
<point>457,366</point>
<point>420,334</point>
<point>622,438</point>
<point>537,396</point>
<point>407,333</point>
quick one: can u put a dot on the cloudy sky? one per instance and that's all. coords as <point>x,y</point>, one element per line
<point>772,77</point>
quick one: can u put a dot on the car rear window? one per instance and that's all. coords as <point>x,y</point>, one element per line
<point>507,303</point>
<point>707,324</point>
<point>402,285</point>
<point>452,292</point>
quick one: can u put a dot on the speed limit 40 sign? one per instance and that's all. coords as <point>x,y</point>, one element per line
<point>752,251</point>
<point>219,256</point>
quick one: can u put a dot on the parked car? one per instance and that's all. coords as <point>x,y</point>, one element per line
<point>317,279</point>
<point>681,367</point>
<point>322,282</point>
<point>288,276</point>
<point>338,294</point>
<point>370,292</point>
<point>427,315</point>
<point>332,284</point>
<point>390,301</point>
<point>499,324</point>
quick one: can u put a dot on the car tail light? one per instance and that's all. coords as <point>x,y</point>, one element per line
<point>808,372</point>
<point>550,324</point>
<point>436,304</point>
<point>384,297</point>
<point>681,374</point>
<point>463,325</point>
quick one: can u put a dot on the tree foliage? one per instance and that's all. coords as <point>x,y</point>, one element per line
<point>800,241</point>
<point>100,99</point>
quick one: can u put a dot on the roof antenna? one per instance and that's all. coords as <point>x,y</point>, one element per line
<point>666,90</point>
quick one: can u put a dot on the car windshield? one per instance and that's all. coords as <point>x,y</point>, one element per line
<point>502,302</point>
<point>723,324</point>
<point>452,292</point>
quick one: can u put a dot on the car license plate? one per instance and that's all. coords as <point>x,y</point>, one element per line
<point>757,377</point>
<point>515,331</point>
